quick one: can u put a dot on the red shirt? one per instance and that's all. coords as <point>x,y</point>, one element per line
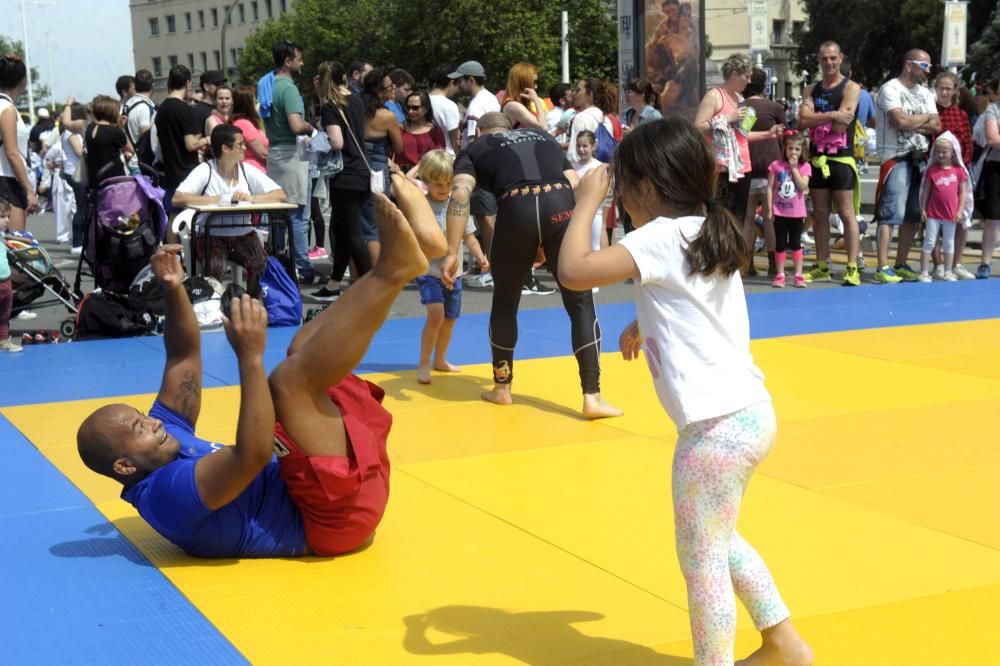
<point>415,145</point>
<point>956,121</point>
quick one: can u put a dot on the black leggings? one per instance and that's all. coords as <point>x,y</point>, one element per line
<point>345,233</point>
<point>787,233</point>
<point>523,223</point>
<point>316,214</point>
<point>734,196</point>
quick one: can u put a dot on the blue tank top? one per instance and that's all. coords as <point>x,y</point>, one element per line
<point>262,522</point>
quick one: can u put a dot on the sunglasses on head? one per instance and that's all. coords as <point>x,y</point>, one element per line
<point>922,65</point>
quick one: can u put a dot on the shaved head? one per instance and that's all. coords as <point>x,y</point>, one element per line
<point>97,447</point>
<point>494,120</point>
<point>916,54</point>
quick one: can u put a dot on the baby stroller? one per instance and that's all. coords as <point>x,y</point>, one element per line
<point>33,276</point>
<point>124,222</point>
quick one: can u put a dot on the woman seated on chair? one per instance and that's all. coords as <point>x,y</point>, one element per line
<point>225,180</point>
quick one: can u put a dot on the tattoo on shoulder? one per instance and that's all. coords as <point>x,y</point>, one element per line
<point>189,396</point>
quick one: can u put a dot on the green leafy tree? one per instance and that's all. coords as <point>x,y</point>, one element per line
<point>984,54</point>
<point>8,45</point>
<point>419,36</point>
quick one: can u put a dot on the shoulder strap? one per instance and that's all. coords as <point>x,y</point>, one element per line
<point>351,132</point>
<point>209,181</point>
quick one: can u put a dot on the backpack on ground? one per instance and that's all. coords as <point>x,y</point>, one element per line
<point>105,314</point>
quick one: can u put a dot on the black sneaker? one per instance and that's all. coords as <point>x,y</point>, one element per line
<point>533,286</point>
<point>324,294</point>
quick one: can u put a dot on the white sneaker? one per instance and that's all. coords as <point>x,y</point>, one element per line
<point>939,272</point>
<point>949,277</point>
<point>807,239</point>
<point>27,315</point>
<point>483,280</point>
<point>962,274</point>
<point>758,245</point>
<point>9,345</point>
<point>924,277</point>
<point>76,251</point>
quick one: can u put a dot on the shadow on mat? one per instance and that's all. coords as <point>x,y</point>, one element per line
<point>535,638</point>
<point>458,387</point>
<point>109,543</point>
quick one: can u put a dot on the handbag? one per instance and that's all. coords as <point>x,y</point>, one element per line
<point>281,297</point>
<point>376,180</point>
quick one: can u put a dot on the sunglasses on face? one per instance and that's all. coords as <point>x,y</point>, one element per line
<point>414,108</point>
<point>926,66</point>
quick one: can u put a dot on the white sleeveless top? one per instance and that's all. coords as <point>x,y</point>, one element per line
<point>22,140</point>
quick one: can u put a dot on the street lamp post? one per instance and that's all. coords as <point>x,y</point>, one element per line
<point>225,24</point>
<point>27,63</point>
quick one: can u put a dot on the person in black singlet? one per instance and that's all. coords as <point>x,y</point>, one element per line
<point>833,102</point>
<point>526,169</point>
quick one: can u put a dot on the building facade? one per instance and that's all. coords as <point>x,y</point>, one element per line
<point>189,32</point>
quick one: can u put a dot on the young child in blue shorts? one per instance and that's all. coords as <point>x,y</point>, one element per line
<point>443,304</point>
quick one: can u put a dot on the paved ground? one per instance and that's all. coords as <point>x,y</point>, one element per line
<point>408,304</point>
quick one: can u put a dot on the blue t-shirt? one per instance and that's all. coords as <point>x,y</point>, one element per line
<point>866,107</point>
<point>262,522</point>
<point>396,108</point>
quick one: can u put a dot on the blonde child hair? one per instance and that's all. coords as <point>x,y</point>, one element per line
<point>436,166</point>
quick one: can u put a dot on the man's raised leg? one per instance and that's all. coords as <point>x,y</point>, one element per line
<point>330,346</point>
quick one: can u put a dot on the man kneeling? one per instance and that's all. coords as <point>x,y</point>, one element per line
<point>327,491</point>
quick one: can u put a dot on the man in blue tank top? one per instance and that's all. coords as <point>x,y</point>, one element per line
<point>309,473</point>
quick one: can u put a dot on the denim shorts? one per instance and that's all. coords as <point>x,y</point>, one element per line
<point>899,198</point>
<point>432,290</point>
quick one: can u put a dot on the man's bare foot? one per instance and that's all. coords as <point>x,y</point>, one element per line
<point>414,205</point>
<point>781,646</point>
<point>594,407</point>
<point>446,367</point>
<point>424,374</point>
<point>499,395</point>
<point>401,258</point>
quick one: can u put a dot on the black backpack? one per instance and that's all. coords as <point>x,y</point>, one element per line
<point>104,314</point>
<point>144,144</point>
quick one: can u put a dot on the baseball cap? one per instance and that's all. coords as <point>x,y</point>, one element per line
<point>468,68</point>
<point>213,76</point>
<point>43,112</point>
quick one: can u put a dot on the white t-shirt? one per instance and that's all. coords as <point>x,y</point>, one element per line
<point>913,101</point>
<point>447,117</point>
<point>140,113</point>
<point>481,104</point>
<point>588,119</point>
<point>440,209</point>
<point>206,180</point>
<point>69,155</point>
<point>992,112</point>
<point>22,141</point>
<point>552,117</point>
<point>695,329</point>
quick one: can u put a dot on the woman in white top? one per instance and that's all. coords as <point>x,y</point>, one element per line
<point>590,98</point>
<point>15,187</point>
<point>685,255</point>
<point>226,180</point>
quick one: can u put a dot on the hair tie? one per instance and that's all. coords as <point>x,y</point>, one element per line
<point>13,57</point>
<point>711,203</point>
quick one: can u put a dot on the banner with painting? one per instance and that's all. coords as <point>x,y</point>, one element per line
<point>671,51</point>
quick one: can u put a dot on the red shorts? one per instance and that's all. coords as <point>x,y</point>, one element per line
<point>342,498</point>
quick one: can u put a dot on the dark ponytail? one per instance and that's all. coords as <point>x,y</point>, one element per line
<point>680,167</point>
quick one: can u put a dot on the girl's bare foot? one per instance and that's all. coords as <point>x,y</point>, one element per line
<point>782,646</point>
<point>499,395</point>
<point>446,367</point>
<point>594,407</point>
<point>424,374</point>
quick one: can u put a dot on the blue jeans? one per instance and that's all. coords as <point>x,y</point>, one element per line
<point>300,236</point>
<point>899,200</point>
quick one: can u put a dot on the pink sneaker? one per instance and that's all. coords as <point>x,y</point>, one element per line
<point>800,281</point>
<point>316,253</point>
<point>779,281</point>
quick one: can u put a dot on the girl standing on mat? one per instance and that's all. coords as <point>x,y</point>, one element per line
<point>684,256</point>
<point>787,187</point>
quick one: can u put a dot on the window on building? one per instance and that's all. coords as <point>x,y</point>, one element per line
<point>201,19</point>
<point>157,67</point>
<point>218,59</point>
<point>243,12</point>
<point>798,28</point>
<point>778,33</point>
<point>284,6</point>
<point>254,11</point>
<point>173,60</point>
<point>154,26</point>
<point>171,24</point>
<point>215,17</point>
<point>187,21</point>
<point>204,61</point>
<point>191,61</point>
<point>233,58</point>
<point>268,8</point>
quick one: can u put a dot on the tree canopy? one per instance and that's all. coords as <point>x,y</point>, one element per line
<point>876,35</point>
<point>8,45</point>
<point>419,36</point>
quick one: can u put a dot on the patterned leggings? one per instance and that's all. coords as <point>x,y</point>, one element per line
<point>712,466</point>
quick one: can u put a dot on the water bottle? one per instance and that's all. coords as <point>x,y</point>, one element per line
<point>749,120</point>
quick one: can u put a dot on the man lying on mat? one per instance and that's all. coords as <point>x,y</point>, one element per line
<point>309,474</point>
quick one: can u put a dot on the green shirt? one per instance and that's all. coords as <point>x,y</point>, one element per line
<point>285,99</point>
